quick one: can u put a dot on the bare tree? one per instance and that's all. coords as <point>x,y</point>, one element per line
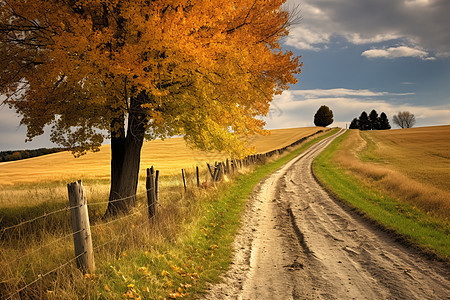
<point>404,119</point>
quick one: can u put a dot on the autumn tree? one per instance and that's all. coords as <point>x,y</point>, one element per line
<point>323,116</point>
<point>404,119</point>
<point>128,70</point>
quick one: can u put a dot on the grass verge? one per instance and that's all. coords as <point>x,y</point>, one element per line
<point>413,225</point>
<point>183,266</point>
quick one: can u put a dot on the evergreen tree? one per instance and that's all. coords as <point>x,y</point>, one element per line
<point>384,122</point>
<point>354,124</point>
<point>374,121</point>
<point>323,116</point>
<point>364,122</point>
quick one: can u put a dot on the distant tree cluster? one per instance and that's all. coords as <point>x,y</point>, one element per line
<point>22,154</point>
<point>404,119</point>
<point>371,121</point>
<point>323,116</point>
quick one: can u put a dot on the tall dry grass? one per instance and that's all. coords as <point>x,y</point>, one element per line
<point>33,187</point>
<point>33,250</point>
<point>422,195</point>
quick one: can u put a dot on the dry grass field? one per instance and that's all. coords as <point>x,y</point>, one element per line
<point>32,188</point>
<point>43,179</point>
<point>413,164</point>
<point>422,154</point>
<point>169,156</point>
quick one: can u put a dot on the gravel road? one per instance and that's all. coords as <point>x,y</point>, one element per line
<point>298,243</point>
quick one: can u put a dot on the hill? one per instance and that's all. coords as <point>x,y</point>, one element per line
<point>169,156</point>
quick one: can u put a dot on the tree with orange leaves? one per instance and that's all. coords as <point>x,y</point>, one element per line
<point>129,70</point>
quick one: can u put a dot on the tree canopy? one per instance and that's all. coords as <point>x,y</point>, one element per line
<point>371,121</point>
<point>75,65</point>
<point>323,116</point>
<point>129,69</point>
<point>404,119</point>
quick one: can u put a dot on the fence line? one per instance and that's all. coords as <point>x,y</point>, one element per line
<point>117,200</point>
<point>121,218</point>
<point>18,259</point>
<point>220,169</point>
<point>122,235</point>
<point>45,215</point>
<point>67,208</point>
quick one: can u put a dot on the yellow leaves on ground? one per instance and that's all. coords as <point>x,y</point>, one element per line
<point>131,293</point>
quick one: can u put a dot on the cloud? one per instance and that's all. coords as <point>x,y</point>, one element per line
<point>297,108</point>
<point>358,39</point>
<point>341,92</point>
<point>420,24</point>
<point>302,38</point>
<point>396,52</point>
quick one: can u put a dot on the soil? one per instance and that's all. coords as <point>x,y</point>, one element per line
<point>296,242</point>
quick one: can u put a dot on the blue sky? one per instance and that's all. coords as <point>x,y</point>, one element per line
<point>387,55</point>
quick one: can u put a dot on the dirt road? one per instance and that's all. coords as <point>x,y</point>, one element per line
<point>298,243</point>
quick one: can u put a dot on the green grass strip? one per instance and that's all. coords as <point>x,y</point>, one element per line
<point>183,268</point>
<point>412,224</point>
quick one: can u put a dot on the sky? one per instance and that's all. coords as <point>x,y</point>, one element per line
<point>387,55</point>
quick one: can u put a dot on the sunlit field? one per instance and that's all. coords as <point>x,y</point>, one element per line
<point>413,164</point>
<point>35,187</point>
<point>422,154</point>
<point>168,156</point>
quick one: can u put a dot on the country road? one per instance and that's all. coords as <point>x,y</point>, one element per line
<point>298,243</point>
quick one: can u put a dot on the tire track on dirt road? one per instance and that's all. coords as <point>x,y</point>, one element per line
<point>297,243</point>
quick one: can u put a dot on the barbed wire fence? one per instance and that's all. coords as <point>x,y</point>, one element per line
<point>78,256</point>
<point>84,254</point>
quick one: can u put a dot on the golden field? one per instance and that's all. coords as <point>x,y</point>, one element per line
<point>422,154</point>
<point>42,179</point>
<point>168,156</point>
<point>36,187</point>
<point>412,164</point>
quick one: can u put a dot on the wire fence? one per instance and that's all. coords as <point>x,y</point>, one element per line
<point>217,172</point>
<point>17,260</point>
<point>60,266</point>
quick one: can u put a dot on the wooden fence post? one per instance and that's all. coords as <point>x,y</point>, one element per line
<point>157,186</point>
<point>198,176</point>
<point>184,180</point>
<point>82,237</point>
<point>151,193</point>
<point>210,171</point>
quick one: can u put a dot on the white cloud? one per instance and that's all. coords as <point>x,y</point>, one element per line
<point>302,38</point>
<point>297,108</point>
<point>396,52</point>
<point>358,39</point>
<point>341,92</point>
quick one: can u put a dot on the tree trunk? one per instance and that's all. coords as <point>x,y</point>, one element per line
<point>126,157</point>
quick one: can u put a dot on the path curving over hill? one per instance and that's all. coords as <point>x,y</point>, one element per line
<point>297,243</point>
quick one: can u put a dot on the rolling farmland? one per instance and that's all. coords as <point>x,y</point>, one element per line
<point>169,156</point>
<point>420,153</point>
